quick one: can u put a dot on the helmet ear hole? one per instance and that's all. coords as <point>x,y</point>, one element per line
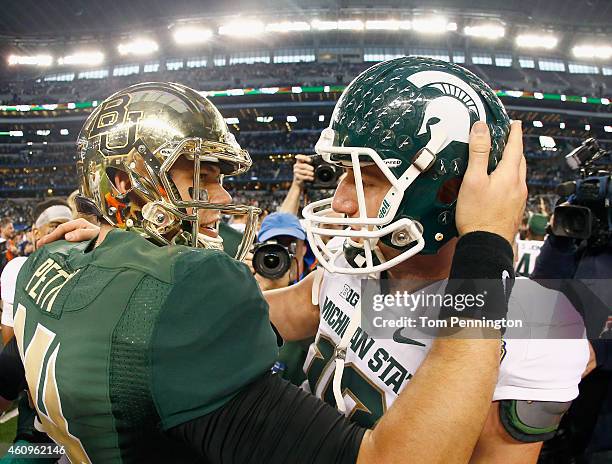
<point>449,191</point>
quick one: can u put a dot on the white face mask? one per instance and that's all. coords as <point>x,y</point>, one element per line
<point>364,229</point>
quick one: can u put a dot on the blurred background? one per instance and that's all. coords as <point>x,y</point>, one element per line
<point>275,70</point>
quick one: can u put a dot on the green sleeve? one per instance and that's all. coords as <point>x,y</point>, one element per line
<point>213,337</point>
<point>231,239</point>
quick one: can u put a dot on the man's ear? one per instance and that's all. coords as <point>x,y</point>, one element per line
<point>122,181</point>
<point>35,234</point>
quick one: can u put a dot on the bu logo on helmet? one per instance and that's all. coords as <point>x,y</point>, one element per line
<point>115,126</point>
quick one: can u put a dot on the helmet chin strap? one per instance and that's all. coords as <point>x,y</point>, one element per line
<point>354,253</point>
<point>212,243</point>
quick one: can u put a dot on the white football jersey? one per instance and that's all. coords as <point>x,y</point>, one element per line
<point>8,282</point>
<point>377,370</point>
<point>528,251</point>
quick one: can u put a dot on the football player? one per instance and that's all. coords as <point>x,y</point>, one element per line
<point>400,220</point>
<point>140,349</point>
<point>48,215</point>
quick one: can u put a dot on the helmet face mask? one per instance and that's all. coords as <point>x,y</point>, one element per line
<point>142,132</point>
<point>411,118</point>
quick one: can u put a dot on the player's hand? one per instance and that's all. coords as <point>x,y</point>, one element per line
<point>248,260</point>
<point>303,171</point>
<point>77,230</point>
<point>272,284</point>
<point>493,203</point>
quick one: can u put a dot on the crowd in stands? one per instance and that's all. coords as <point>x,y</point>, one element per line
<point>264,185</point>
<point>39,91</point>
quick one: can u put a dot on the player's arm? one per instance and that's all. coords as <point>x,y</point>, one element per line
<point>303,172</point>
<point>436,419</point>
<point>77,230</point>
<point>12,375</point>
<point>7,332</point>
<point>497,446</point>
<point>292,310</point>
<point>453,398</point>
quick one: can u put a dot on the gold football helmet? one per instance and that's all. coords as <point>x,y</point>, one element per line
<point>142,131</point>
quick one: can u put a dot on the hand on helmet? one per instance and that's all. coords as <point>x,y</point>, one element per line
<point>77,230</point>
<point>303,171</point>
<point>493,203</point>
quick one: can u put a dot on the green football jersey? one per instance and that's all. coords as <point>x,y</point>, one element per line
<point>129,339</point>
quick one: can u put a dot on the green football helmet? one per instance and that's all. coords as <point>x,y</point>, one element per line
<point>142,131</point>
<point>411,117</point>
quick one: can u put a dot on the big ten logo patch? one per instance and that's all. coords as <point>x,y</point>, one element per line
<point>350,295</point>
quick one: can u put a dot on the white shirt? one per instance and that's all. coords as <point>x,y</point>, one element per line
<point>380,368</point>
<point>528,251</point>
<point>8,282</point>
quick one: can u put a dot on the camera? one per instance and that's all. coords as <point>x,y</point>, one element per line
<point>588,216</point>
<point>272,260</point>
<point>326,175</point>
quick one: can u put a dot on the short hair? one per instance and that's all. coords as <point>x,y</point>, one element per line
<point>5,221</point>
<point>43,205</point>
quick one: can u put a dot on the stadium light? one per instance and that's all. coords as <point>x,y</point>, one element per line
<point>288,26</point>
<point>387,25</point>
<point>242,28</point>
<point>547,142</point>
<point>15,133</point>
<point>64,132</point>
<point>587,127</point>
<point>321,118</point>
<point>85,58</point>
<point>538,124</point>
<point>602,52</point>
<point>485,31</point>
<point>537,41</point>
<point>608,128</point>
<point>291,118</point>
<point>561,125</point>
<point>189,35</point>
<point>433,25</point>
<point>138,47</point>
<point>324,25</point>
<point>352,25</point>
<point>232,120</point>
<point>43,132</point>
<point>34,60</point>
<point>265,118</point>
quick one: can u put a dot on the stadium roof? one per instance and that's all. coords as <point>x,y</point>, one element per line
<point>73,18</point>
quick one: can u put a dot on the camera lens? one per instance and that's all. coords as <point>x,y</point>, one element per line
<point>271,260</point>
<point>325,175</point>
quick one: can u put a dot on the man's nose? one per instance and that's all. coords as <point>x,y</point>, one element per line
<point>345,197</point>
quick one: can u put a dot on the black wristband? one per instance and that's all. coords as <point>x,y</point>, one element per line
<point>482,267</point>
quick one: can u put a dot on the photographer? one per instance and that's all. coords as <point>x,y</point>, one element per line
<point>308,171</point>
<point>578,254</point>
<point>281,258</point>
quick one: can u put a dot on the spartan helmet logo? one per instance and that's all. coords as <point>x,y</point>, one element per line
<point>449,114</point>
